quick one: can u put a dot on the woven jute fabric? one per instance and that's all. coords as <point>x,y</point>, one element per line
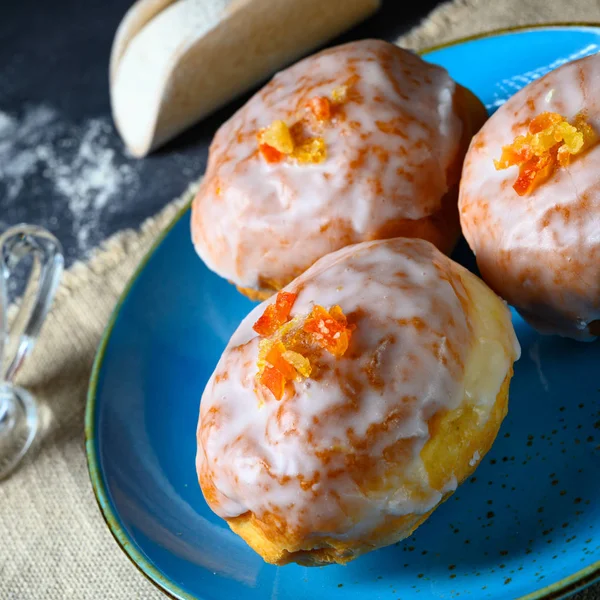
<point>53,541</point>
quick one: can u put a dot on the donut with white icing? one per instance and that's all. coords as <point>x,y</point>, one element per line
<point>359,453</point>
<point>541,250</point>
<point>392,142</point>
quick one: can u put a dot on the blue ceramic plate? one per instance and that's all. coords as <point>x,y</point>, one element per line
<point>527,525</point>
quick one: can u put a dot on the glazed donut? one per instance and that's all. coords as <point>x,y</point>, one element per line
<point>359,142</point>
<point>530,208</point>
<point>345,410</point>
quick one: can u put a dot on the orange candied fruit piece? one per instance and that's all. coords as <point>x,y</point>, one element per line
<point>320,108</point>
<point>299,362</point>
<point>544,121</point>
<point>278,136</point>
<point>536,168</point>
<point>281,365</point>
<point>270,154</point>
<point>278,362</point>
<point>312,150</point>
<point>329,329</point>
<point>549,143</point>
<point>275,315</point>
<point>278,141</point>
<point>275,358</point>
<point>338,314</point>
<point>339,94</point>
<point>274,381</point>
<point>275,141</point>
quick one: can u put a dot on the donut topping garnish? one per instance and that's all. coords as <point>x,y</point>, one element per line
<point>322,108</point>
<point>275,315</point>
<point>549,143</point>
<point>287,345</point>
<point>340,93</point>
<point>329,329</point>
<point>279,141</point>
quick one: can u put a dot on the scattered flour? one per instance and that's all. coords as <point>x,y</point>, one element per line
<point>77,160</point>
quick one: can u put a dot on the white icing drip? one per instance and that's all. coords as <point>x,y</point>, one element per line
<point>475,459</point>
<point>274,220</point>
<point>534,355</point>
<point>411,323</point>
<point>540,251</point>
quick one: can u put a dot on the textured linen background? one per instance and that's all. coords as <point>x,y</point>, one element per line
<point>53,541</point>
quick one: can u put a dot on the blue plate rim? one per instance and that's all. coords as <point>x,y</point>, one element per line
<point>560,589</point>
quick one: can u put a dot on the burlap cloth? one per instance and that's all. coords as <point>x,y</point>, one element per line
<point>53,541</point>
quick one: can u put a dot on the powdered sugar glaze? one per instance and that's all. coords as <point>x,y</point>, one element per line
<point>313,457</point>
<point>389,150</point>
<point>540,251</point>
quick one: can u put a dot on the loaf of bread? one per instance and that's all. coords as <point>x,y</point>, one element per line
<point>173,62</point>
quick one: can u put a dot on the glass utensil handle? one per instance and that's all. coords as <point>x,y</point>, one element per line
<point>16,244</point>
<point>19,419</point>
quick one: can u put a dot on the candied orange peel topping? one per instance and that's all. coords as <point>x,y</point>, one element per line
<point>288,344</point>
<point>270,154</point>
<point>278,136</point>
<point>340,94</point>
<point>549,143</point>
<point>329,329</point>
<point>274,381</point>
<point>323,108</point>
<point>278,141</point>
<point>312,150</point>
<point>275,314</point>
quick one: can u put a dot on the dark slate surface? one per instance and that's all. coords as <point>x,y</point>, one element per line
<point>61,162</point>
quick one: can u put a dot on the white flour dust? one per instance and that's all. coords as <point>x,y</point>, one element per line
<point>82,169</point>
